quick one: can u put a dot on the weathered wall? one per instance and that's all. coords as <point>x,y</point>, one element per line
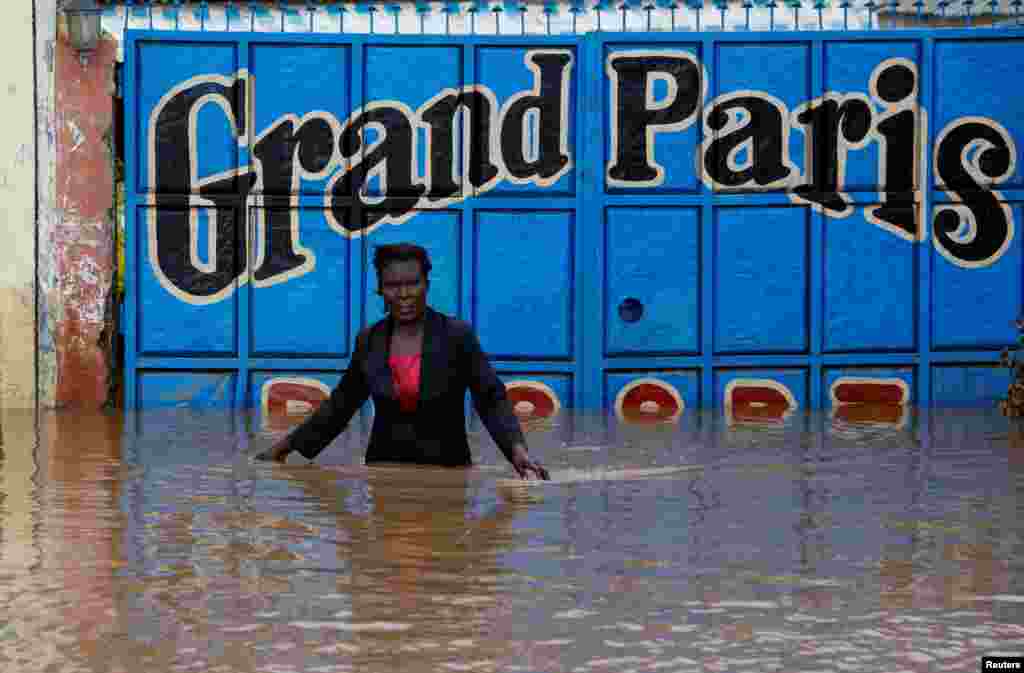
<point>46,212</point>
<point>81,242</point>
<point>17,228</point>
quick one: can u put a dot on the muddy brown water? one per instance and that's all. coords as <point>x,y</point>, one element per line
<point>151,542</point>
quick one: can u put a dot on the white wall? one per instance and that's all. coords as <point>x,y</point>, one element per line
<point>17,216</point>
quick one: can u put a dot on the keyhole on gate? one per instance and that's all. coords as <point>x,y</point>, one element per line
<point>631,310</point>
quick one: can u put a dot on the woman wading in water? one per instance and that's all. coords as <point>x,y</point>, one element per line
<point>417,364</point>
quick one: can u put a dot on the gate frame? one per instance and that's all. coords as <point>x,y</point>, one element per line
<point>590,362</point>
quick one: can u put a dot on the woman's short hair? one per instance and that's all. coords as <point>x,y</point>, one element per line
<point>383,255</point>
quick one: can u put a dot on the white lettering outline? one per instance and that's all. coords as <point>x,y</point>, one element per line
<point>740,117</point>
<point>968,227</point>
<point>195,200</point>
<point>257,197</point>
<point>910,102</point>
<point>563,145</point>
<point>494,147</point>
<point>652,130</point>
<point>843,146</point>
<point>777,386</point>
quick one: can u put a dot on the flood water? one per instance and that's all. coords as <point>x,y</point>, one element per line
<point>151,542</point>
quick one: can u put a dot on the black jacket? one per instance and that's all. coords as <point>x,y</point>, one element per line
<point>452,362</point>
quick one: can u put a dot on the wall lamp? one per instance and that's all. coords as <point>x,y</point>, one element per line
<point>83,17</point>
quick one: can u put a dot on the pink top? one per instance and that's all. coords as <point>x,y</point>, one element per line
<point>405,377</point>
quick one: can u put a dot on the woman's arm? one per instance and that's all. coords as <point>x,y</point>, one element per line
<point>495,411</point>
<point>331,418</point>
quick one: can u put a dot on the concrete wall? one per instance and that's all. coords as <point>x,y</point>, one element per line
<point>17,226</point>
<point>81,243</point>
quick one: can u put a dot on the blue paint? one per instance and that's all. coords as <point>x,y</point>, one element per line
<point>652,255</point>
<point>180,389</point>
<point>969,385</point>
<point>576,282</point>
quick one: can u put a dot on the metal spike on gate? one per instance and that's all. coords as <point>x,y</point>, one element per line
<point>290,15</point>
<point>338,10</point>
<point>260,11</point>
<point>516,7</point>
<point>478,7</point>
<point>601,6</point>
<point>696,6</point>
<point>871,7</point>
<point>820,6</point>
<point>201,14</point>
<point>671,6</point>
<point>576,8</point>
<point>451,8</point>
<point>230,12</point>
<point>772,6</point>
<point>795,5</point>
<point>722,6</point>
<point>422,8</point>
<point>550,9</point>
<point>311,11</point>
<point>497,11</point>
<point>394,9</point>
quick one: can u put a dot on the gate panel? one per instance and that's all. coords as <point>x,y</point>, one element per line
<point>977,265</point>
<point>636,398</point>
<point>757,395</point>
<point>990,296</point>
<point>301,93</point>
<point>304,311</point>
<point>761,279</point>
<point>653,272</point>
<point>978,385</point>
<point>851,71</point>
<point>523,283</point>
<point>537,148</point>
<point>650,146</point>
<point>858,287</point>
<point>281,398</point>
<point>174,388</point>
<point>414,77</point>
<point>754,89</point>
<point>172,82</point>
<point>971,79</point>
<point>187,300</point>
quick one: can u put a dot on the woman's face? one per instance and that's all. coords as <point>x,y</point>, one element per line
<point>404,288</point>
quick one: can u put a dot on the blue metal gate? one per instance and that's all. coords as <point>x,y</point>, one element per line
<point>648,222</point>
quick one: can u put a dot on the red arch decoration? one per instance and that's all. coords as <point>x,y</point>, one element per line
<point>532,399</point>
<point>758,402</point>
<point>649,400</point>
<point>285,400</point>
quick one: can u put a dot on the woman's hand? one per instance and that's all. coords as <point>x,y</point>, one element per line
<point>277,453</point>
<point>523,465</point>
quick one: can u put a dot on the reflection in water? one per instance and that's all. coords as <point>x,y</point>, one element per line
<point>870,537</point>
